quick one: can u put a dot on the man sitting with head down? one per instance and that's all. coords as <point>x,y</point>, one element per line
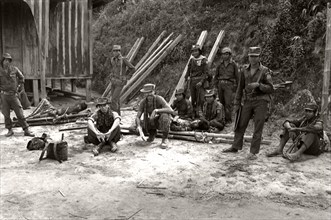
<point>103,127</point>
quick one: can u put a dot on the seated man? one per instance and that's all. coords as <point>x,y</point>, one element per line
<point>305,133</point>
<point>212,116</point>
<point>156,113</point>
<point>103,127</point>
<point>183,112</point>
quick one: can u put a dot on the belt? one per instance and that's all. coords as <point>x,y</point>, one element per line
<point>8,93</point>
<point>225,81</point>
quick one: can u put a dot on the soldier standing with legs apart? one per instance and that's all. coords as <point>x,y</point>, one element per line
<point>11,83</point>
<point>119,77</point>
<point>226,79</point>
<point>198,78</point>
<point>255,86</point>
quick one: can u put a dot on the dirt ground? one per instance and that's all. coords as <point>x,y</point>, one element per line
<point>195,180</point>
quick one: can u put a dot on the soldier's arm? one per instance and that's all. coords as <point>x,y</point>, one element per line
<point>314,128</point>
<point>91,123</point>
<point>20,77</point>
<point>117,120</point>
<point>240,89</point>
<point>236,72</point>
<point>129,65</point>
<point>139,113</point>
<point>165,106</point>
<point>266,85</point>
<point>189,109</point>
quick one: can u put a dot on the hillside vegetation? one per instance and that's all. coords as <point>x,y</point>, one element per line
<point>291,33</point>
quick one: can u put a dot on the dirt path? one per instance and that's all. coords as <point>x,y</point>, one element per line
<point>199,182</point>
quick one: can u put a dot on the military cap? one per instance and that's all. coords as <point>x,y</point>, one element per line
<point>210,93</point>
<point>117,47</point>
<point>311,106</point>
<point>179,91</point>
<point>148,88</point>
<point>254,51</point>
<point>196,47</point>
<point>6,56</point>
<point>226,50</point>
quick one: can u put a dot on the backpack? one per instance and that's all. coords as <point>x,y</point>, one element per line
<point>55,150</point>
<point>37,143</point>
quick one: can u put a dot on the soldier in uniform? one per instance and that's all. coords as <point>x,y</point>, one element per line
<point>197,77</point>
<point>11,83</point>
<point>103,127</point>
<point>212,116</point>
<point>117,63</point>
<point>306,132</point>
<point>157,113</point>
<point>226,79</point>
<point>255,87</point>
<point>183,112</point>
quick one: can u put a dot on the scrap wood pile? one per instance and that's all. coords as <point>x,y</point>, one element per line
<point>153,57</point>
<point>46,114</point>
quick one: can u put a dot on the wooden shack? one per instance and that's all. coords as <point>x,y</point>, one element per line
<point>49,40</point>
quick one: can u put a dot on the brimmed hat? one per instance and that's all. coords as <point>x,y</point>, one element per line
<point>311,106</point>
<point>179,92</point>
<point>196,47</point>
<point>148,88</point>
<point>6,56</point>
<point>226,50</point>
<point>210,93</point>
<point>254,51</point>
<point>102,101</point>
<point>117,47</point>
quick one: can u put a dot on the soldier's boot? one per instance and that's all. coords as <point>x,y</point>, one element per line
<point>98,148</point>
<point>164,143</point>
<point>9,133</point>
<point>114,147</point>
<point>27,132</point>
<point>151,136</point>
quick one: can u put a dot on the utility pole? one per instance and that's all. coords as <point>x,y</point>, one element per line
<point>327,66</point>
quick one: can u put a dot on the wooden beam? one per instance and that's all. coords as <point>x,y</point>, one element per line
<point>180,84</point>
<point>35,92</point>
<point>73,85</point>
<point>327,67</point>
<point>132,48</point>
<point>149,70</point>
<point>158,39</point>
<point>89,81</point>
<point>88,90</point>
<point>215,48</point>
<point>137,48</point>
<point>63,84</point>
<point>45,42</point>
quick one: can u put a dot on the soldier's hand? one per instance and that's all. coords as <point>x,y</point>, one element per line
<point>154,113</point>
<point>253,85</point>
<point>292,135</point>
<point>101,137</point>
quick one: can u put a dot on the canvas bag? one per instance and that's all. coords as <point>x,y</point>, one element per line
<point>56,151</point>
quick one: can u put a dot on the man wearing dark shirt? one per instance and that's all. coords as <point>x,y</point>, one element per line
<point>306,132</point>
<point>226,79</point>
<point>103,127</point>
<point>197,77</point>
<point>156,113</point>
<point>11,83</point>
<point>255,87</point>
<point>183,112</point>
<point>117,63</point>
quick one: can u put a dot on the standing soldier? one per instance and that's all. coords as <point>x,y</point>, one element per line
<point>119,77</point>
<point>197,77</point>
<point>11,83</point>
<point>255,86</point>
<point>226,79</point>
<point>156,113</point>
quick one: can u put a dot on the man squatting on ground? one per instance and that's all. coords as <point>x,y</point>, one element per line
<point>255,86</point>
<point>197,78</point>
<point>306,133</point>
<point>226,78</point>
<point>11,83</point>
<point>119,76</point>
<point>183,112</point>
<point>103,127</point>
<point>156,113</point>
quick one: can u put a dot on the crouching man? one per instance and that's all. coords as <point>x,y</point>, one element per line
<point>156,113</point>
<point>305,132</point>
<point>212,115</point>
<point>103,127</point>
<point>183,112</point>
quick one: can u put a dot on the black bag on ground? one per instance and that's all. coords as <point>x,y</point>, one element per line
<point>37,143</point>
<point>56,151</point>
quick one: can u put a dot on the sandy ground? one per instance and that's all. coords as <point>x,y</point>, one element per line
<point>197,181</point>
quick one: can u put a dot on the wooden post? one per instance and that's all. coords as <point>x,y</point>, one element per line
<point>73,85</point>
<point>53,85</point>
<point>201,41</point>
<point>327,66</point>
<point>35,92</point>
<point>215,48</point>
<point>63,84</point>
<point>88,90</point>
<point>89,81</point>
